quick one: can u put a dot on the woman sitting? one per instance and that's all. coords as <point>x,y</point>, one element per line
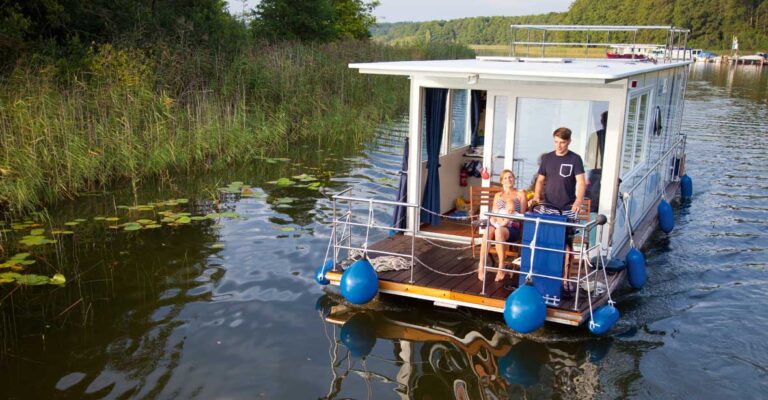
<point>508,201</point>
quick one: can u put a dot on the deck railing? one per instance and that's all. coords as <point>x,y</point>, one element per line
<point>343,223</point>
<point>586,272</point>
<point>674,47</point>
<point>343,238</point>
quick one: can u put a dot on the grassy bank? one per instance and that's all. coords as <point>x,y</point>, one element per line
<point>129,113</point>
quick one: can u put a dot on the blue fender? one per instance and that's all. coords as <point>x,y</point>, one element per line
<point>321,270</point>
<point>666,220</point>
<point>524,310</point>
<point>636,268</point>
<point>359,283</point>
<point>603,319</point>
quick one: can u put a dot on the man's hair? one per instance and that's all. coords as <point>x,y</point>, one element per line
<point>563,133</point>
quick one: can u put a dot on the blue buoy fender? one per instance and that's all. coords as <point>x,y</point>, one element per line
<point>686,187</point>
<point>666,220</point>
<point>358,335</point>
<point>603,319</point>
<point>636,268</point>
<point>359,283</point>
<point>524,310</point>
<point>321,270</point>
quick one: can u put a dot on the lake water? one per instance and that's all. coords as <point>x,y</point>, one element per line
<point>228,308</point>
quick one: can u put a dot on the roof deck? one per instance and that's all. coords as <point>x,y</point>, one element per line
<point>515,68</point>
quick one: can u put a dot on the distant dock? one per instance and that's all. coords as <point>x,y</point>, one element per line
<point>756,59</point>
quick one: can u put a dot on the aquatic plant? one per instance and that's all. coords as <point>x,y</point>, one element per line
<point>131,113</point>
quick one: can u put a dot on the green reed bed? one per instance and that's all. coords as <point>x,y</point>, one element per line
<point>133,113</point>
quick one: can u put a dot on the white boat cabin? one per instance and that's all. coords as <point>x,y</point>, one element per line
<point>501,112</point>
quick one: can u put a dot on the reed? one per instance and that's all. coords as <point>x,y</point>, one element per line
<point>133,113</point>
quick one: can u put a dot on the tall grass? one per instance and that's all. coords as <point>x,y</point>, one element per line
<point>131,113</point>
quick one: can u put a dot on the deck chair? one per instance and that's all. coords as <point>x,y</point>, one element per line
<point>478,197</point>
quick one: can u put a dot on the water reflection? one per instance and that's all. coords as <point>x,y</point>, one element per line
<point>422,353</point>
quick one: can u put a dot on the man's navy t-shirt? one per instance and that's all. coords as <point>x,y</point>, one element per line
<point>560,171</point>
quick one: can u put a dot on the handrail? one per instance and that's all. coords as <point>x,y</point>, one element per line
<point>675,146</point>
<point>674,48</point>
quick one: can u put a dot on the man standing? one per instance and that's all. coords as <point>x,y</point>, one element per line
<point>561,178</point>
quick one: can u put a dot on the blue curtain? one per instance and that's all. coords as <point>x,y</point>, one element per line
<point>474,117</point>
<point>434,111</point>
<point>402,191</point>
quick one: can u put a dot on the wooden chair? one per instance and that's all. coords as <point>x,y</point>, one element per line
<point>483,197</point>
<point>582,217</point>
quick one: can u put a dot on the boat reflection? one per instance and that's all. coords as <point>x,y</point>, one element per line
<point>448,355</point>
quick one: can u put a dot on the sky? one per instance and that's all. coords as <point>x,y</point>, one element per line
<point>427,10</point>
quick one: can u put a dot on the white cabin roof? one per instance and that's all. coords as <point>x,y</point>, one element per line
<point>509,68</point>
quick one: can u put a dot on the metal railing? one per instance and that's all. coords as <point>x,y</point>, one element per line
<point>583,275</point>
<point>673,49</point>
<point>342,238</point>
<point>342,224</point>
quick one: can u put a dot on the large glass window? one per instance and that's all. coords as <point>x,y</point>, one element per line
<point>538,118</point>
<point>459,117</point>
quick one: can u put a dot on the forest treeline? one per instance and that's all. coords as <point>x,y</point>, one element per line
<point>713,23</point>
<point>100,91</point>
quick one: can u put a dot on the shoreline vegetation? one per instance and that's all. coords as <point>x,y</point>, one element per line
<point>130,113</point>
<point>713,23</point>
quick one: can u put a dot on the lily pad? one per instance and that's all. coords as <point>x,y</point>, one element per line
<point>146,221</point>
<point>35,232</point>
<point>32,280</point>
<point>131,226</point>
<point>112,219</point>
<point>284,228</point>
<point>34,240</point>
<point>286,200</point>
<point>282,182</point>
<point>183,220</point>
<point>80,220</point>
<point>72,223</point>
<point>217,246</point>
<point>57,279</point>
<point>305,178</point>
<point>99,218</point>
<point>152,226</point>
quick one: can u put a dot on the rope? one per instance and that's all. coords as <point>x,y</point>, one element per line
<point>445,215</point>
<point>395,263</point>
<point>383,263</point>
<point>625,203</point>
<point>443,273</point>
<point>446,247</point>
<point>532,246</point>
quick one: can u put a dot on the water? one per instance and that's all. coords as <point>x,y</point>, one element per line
<point>168,314</point>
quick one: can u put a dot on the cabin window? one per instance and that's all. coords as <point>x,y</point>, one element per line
<point>634,132</point>
<point>459,118</point>
<point>538,118</point>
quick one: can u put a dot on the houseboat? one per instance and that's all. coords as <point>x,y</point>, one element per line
<point>470,120</point>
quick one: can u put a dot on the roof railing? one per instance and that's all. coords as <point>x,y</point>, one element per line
<point>673,49</point>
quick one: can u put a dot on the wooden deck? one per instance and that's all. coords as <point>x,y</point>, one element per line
<point>465,290</point>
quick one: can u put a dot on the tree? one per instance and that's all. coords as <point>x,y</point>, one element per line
<point>294,20</point>
<point>313,20</point>
<point>353,18</point>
